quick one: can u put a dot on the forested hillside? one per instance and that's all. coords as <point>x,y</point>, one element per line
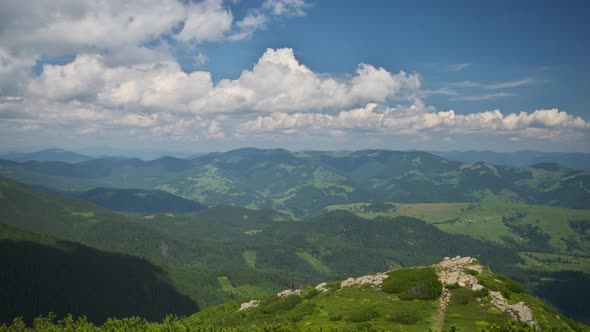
<point>139,201</point>
<point>300,183</point>
<point>42,274</point>
<point>456,294</point>
<point>228,252</point>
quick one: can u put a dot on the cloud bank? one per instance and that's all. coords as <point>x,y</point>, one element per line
<point>114,73</point>
<point>277,82</point>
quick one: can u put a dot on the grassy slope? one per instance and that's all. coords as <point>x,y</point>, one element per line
<point>76,220</point>
<point>360,307</point>
<point>193,266</point>
<point>484,221</point>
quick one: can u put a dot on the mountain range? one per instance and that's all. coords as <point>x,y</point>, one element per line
<point>245,224</point>
<point>574,160</point>
<point>300,183</point>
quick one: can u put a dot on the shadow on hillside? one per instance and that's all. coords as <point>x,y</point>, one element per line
<point>71,278</point>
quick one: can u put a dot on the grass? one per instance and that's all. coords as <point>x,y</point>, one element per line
<point>314,262</point>
<point>472,315</point>
<point>484,220</point>
<point>226,285</point>
<point>250,258</point>
<point>555,262</point>
<point>89,214</point>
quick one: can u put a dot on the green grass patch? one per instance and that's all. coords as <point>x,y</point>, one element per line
<point>250,258</point>
<point>314,262</point>
<point>253,232</point>
<point>89,214</point>
<point>225,284</point>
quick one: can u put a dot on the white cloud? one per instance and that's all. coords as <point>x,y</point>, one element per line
<point>459,66</point>
<point>65,26</point>
<point>120,30</point>
<point>206,21</point>
<point>494,86</point>
<point>487,96</point>
<point>214,130</point>
<point>249,24</point>
<point>286,7</point>
<point>419,120</point>
<point>14,72</point>
<point>278,82</point>
<point>201,59</point>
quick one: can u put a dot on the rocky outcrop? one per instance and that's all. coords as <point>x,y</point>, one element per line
<point>288,292</point>
<point>519,311</point>
<point>322,287</point>
<point>462,263</point>
<point>453,271</point>
<point>249,305</point>
<point>372,279</point>
<point>456,271</point>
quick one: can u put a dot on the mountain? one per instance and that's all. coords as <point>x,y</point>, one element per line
<point>53,154</point>
<point>42,274</point>
<point>300,183</point>
<point>456,294</point>
<point>526,228</point>
<point>227,252</point>
<point>573,160</point>
<point>140,200</point>
<point>76,220</point>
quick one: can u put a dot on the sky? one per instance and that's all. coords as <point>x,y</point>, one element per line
<point>212,75</point>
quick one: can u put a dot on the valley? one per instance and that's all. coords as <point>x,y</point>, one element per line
<point>362,212</point>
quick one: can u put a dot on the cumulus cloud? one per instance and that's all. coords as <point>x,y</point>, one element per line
<point>278,82</point>
<point>121,29</point>
<point>418,119</point>
<point>14,72</point>
<point>85,119</point>
<point>63,26</point>
<point>207,20</point>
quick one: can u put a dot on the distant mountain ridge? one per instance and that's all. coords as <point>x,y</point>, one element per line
<point>303,182</point>
<point>573,160</point>
<point>53,154</point>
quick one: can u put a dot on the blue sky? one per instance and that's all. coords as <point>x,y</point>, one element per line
<point>207,75</point>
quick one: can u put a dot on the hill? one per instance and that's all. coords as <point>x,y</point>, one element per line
<point>226,252</point>
<point>573,160</point>
<point>300,183</point>
<point>140,200</point>
<point>42,274</point>
<point>457,294</point>
<point>76,220</point>
<point>528,228</point>
<point>53,154</point>
<point>198,264</point>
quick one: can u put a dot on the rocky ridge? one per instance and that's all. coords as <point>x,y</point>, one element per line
<point>456,272</point>
<point>452,272</point>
